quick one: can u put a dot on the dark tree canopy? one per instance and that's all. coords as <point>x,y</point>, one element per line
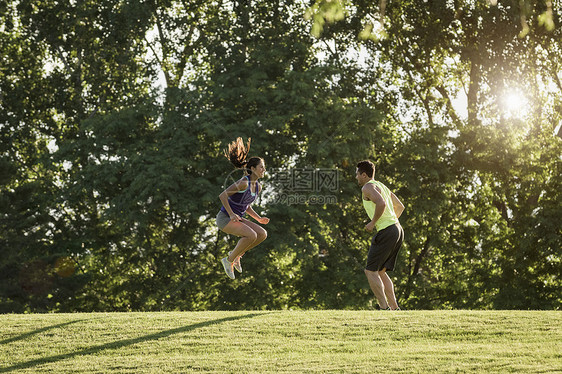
<point>114,116</point>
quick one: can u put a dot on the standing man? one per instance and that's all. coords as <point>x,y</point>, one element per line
<point>384,209</point>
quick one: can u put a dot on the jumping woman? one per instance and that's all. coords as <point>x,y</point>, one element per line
<point>236,201</point>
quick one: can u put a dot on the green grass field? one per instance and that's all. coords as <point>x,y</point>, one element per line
<point>283,341</point>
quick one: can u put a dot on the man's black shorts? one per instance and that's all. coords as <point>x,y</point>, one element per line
<point>384,248</point>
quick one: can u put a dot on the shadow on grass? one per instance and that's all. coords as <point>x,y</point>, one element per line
<point>121,343</point>
<point>38,331</point>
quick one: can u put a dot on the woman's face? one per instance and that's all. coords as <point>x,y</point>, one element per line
<point>259,170</point>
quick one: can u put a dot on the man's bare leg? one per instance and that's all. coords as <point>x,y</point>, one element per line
<point>377,286</point>
<point>388,289</point>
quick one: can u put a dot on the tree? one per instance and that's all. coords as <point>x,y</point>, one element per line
<point>110,183</point>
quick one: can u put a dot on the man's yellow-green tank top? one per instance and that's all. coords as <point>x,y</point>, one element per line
<point>388,217</point>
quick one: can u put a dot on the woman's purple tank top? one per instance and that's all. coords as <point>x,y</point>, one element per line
<point>241,200</point>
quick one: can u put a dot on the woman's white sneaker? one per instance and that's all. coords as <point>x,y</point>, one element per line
<point>236,263</point>
<point>228,268</point>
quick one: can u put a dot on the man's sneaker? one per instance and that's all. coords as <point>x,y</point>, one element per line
<point>236,263</point>
<point>228,268</point>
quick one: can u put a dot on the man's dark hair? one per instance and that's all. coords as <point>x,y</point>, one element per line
<point>366,167</point>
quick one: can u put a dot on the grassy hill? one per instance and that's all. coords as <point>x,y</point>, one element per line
<point>283,341</point>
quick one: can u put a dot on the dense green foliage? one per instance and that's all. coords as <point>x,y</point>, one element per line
<point>114,115</point>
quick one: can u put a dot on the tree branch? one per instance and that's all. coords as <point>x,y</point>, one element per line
<point>473,87</point>
<point>163,63</point>
<point>415,271</point>
<point>450,110</point>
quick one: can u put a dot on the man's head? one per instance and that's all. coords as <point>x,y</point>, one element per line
<point>365,172</point>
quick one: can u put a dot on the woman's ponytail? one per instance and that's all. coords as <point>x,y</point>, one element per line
<point>236,152</point>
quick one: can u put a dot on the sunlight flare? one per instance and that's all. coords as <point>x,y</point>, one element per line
<point>514,104</point>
